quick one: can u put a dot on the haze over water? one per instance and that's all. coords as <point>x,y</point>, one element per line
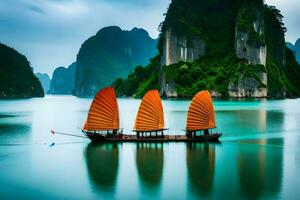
<point>258,157</point>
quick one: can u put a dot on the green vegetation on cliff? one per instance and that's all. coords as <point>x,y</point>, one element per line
<point>216,23</point>
<point>292,72</point>
<point>280,60</point>
<point>16,77</point>
<point>207,75</point>
<point>140,81</point>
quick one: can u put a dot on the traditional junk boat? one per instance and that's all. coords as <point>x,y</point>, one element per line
<point>103,117</point>
<point>150,117</point>
<point>103,120</point>
<point>201,118</point>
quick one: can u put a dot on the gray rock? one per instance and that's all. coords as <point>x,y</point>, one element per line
<point>248,86</point>
<point>176,49</point>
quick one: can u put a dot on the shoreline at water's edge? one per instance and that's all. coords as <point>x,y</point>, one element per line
<point>164,98</point>
<point>216,98</point>
<point>21,97</point>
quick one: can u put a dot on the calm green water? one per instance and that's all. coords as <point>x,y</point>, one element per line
<point>259,154</point>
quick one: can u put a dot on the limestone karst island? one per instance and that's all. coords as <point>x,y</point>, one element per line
<point>151,99</point>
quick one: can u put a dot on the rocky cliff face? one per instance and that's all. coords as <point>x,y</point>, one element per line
<point>249,45</point>
<point>255,54</point>
<point>112,53</point>
<point>175,49</point>
<point>230,47</point>
<point>16,77</point>
<point>168,88</point>
<point>63,80</point>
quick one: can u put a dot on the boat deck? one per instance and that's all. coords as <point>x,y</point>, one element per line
<point>165,138</point>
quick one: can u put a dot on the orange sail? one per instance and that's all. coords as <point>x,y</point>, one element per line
<point>201,115</point>
<point>150,116</point>
<point>104,112</point>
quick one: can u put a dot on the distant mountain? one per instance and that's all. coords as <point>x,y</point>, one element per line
<point>295,48</point>
<point>110,54</point>
<point>63,80</point>
<point>45,81</point>
<point>16,77</point>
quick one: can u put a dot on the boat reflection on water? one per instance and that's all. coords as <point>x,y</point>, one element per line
<point>150,161</point>
<point>200,158</point>
<point>260,171</point>
<point>260,160</point>
<point>102,164</point>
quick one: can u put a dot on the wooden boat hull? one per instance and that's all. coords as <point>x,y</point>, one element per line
<point>166,138</point>
<point>95,137</point>
<point>100,138</point>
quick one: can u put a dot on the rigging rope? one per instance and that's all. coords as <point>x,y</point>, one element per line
<point>67,134</point>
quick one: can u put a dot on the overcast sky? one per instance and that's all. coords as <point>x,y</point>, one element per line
<point>49,32</point>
